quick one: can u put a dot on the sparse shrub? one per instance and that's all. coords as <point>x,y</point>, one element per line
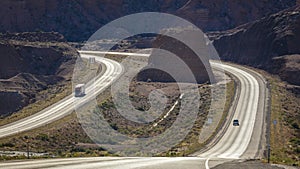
<point>7,145</point>
<point>297,150</point>
<point>43,137</point>
<point>295,141</point>
<point>114,126</point>
<point>78,149</point>
<point>295,125</point>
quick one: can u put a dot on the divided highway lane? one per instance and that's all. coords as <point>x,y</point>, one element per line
<point>236,142</point>
<point>244,141</point>
<point>109,163</point>
<point>66,106</point>
<point>236,139</point>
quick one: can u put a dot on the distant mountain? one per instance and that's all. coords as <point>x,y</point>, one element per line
<point>271,43</point>
<point>31,62</point>
<point>78,19</point>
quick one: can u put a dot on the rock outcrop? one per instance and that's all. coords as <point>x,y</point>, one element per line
<point>180,63</point>
<point>78,20</point>
<point>30,62</point>
<point>287,67</point>
<point>259,43</point>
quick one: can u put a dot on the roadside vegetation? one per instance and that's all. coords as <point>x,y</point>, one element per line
<point>66,138</point>
<point>285,124</point>
<point>284,121</point>
<point>191,142</point>
<point>62,138</point>
<point>47,97</point>
<point>139,98</point>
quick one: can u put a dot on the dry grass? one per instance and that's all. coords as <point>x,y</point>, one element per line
<point>285,109</point>
<point>50,96</point>
<point>285,135</point>
<point>62,138</point>
<point>66,138</point>
<point>139,99</point>
<point>191,143</point>
<point>47,97</point>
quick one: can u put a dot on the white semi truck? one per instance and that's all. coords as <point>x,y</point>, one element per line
<point>79,90</point>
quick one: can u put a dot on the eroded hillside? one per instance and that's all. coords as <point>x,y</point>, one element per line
<point>31,62</point>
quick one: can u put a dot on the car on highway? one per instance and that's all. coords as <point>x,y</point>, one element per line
<point>236,122</point>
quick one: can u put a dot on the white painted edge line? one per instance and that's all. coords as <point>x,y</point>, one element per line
<point>114,53</point>
<point>206,163</point>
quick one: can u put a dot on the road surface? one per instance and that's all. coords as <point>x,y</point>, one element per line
<point>64,107</point>
<point>110,163</point>
<point>235,143</point>
<point>249,110</point>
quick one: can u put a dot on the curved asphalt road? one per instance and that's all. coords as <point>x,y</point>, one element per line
<point>242,141</point>
<point>65,106</point>
<point>236,142</point>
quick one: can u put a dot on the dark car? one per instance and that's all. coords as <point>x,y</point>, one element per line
<point>236,122</point>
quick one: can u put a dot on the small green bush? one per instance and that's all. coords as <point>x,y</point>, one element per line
<point>7,145</point>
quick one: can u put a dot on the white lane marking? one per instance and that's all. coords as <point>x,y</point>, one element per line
<point>206,163</point>
<point>137,54</point>
<point>65,106</point>
<point>61,160</point>
<point>247,129</point>
<point>231,133</point>
<point>94,162</point>
<point>242,114</point>
<point>114,53</point>
<point>234,147</point>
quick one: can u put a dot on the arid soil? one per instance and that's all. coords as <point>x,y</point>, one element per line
<point>31,62</point>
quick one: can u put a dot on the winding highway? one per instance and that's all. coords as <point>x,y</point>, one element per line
<point>242,142</point>
<point>64,107</point>
<point>246,140</point>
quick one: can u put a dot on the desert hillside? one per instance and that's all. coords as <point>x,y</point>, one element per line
<point>266,44</point>
<point>31,62</point>
<point>78,19</point>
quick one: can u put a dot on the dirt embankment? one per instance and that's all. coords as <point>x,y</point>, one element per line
<point>31,62</point>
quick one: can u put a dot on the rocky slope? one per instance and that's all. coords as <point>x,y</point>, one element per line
<point>287,67</point>
<point>180,63</point>
<point>30,62</point>
<point>265,44</point>
<point>78,19</point>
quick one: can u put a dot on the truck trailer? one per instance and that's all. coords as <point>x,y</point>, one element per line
<point>79,90</point>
